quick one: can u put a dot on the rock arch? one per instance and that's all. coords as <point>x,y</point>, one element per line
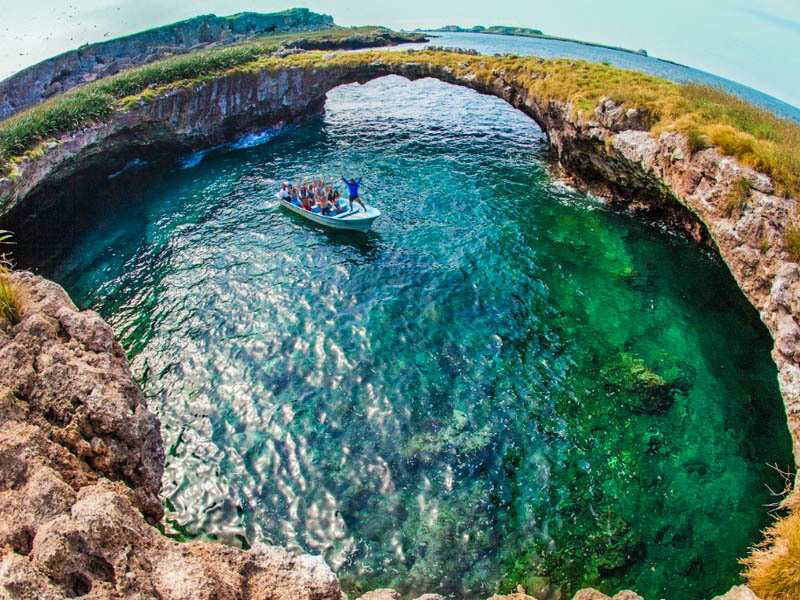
<point>609,151</point>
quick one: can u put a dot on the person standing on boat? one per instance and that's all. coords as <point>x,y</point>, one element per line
<point>352,185</point>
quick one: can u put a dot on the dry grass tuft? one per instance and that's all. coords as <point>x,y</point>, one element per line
<point>791,242</point>
<point>739,197</point>
<point>773,567</point>
<point>697,141</point>
<point>10,299</point>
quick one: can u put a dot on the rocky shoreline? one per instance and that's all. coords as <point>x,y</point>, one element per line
<point>611,153</point>
<point>82,456</point>
<point>81,471</point>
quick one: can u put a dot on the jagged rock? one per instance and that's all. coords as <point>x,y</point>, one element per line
<point>738,592</point>
<point>382,594</point>
<point>72,419</point>
<point>590,594</point>
<point>75,385</point>
<point>593,594</point>
<point>626,595</point>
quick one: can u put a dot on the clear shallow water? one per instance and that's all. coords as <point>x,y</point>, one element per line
<point>490,44</point>
<point>502,381</point>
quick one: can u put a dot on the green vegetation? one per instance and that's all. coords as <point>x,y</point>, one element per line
<point>96,102</point>
<point>496,29</point>
<point>697,141</point>
<point>10,308</point>
<point>529,32</point>
<point>754,136</point>
<point>773,567</point>
<point>10,303</point>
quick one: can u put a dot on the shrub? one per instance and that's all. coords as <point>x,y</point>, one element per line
<point>697,141</point>
<point>791,242</point>
<point>10,305</point>
<point>739,197</point>
<point>773,567</point>
<point>5,262</point>
<point>71,110</point>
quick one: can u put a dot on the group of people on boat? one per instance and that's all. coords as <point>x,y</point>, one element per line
<point>320,197</point>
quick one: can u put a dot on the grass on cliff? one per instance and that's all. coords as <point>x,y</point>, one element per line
<point>10,303</point>
<point>10,296</point>
<point>739,197</point>
<point>773,568</point>
<point>97,101</point>
<point>754,136</point>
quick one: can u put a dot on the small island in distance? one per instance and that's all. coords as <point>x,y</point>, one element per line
<point>526,32</point>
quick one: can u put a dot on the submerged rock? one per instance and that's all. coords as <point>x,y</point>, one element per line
<point>457,437</point>
<point>639,387</point>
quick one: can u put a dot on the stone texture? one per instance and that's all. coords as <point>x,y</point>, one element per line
<point>593,594</point>
<point>382,594</point>
<point>88,63</point>
<point>738,592</point>
<point>609,153</point>
<point>80,469</point>
<point>590,594</point>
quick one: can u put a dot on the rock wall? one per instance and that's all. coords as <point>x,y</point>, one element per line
<point>95,61</point>
<point>611,152</point>
<point>81,456</point>
<point>81,459</point>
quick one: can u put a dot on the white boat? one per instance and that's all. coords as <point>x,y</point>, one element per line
<point>354,220</point>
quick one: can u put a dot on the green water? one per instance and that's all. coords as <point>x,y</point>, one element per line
<point>503,381</point>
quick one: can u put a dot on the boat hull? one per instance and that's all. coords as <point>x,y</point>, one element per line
<point>352,221</point>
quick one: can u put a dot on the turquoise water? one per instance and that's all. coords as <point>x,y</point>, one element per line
<point>503,383</point>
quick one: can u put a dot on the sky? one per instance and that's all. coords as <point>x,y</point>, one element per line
<point>754,43</point>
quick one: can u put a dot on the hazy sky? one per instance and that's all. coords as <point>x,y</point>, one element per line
<point>755,43</point>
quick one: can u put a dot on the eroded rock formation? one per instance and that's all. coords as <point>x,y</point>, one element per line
<point>94,61</point>
<point>80,471</point>
<point>81,456</point>
<point>611,152</point>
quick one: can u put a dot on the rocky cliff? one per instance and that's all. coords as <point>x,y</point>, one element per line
<point>80,472</point>
<point>609,151</point>
<point>95,61</point>
<point>83,472</point>
<point>80,466</point>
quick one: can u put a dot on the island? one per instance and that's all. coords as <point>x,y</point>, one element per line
<point>527,32</point>
<point>82,455</point>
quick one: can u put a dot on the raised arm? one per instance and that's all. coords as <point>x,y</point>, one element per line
<point>359,180</point>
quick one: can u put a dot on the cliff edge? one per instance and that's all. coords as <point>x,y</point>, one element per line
<point>81,459</point>
<point>95,61</point>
